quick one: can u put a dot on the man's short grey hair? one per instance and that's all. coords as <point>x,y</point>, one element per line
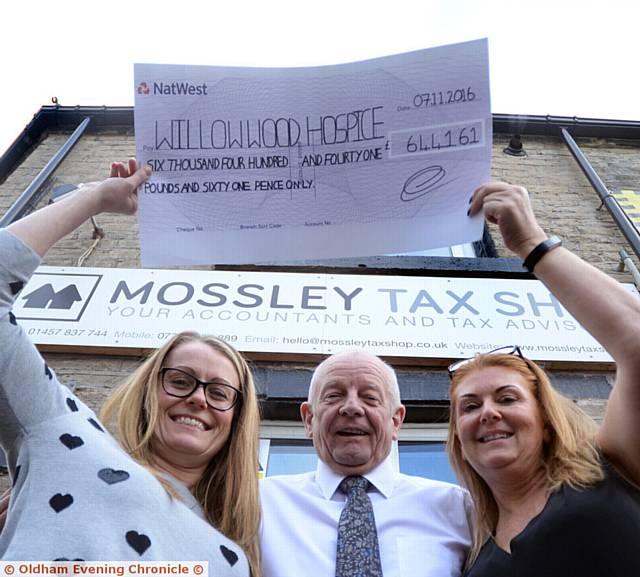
<point>392,379</point>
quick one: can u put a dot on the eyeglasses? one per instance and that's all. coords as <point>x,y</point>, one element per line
<point>507,350</point>
<point>219,396</point>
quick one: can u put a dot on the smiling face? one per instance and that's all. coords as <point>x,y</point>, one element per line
<point>352,417</point>
<point>188,432</point>
<point>499,422</point>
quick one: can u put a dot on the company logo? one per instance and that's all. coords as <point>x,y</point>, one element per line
<point>56,297</point>
<point>180,89</point>
<point>45,297</point>
<point>173,89</point>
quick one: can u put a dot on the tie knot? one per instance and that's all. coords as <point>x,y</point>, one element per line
<point>352,484</point>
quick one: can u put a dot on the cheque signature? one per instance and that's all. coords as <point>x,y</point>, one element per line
<point>424,181</point>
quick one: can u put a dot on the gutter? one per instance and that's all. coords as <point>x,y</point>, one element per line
<point>580,127</point>
<point>33,192</point>
<point>61,119</point>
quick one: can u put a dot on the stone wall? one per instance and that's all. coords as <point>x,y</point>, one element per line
<point>563,199</point>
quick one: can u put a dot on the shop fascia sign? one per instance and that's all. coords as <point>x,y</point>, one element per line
<point>300,313</point>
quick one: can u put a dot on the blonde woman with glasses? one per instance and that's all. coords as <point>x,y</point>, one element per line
<point>182,485</point>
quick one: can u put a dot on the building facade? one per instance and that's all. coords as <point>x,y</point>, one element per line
<point>60,148</point>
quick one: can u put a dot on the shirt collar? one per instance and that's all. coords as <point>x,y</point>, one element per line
<point>186,496</point>
<point>382,478</point>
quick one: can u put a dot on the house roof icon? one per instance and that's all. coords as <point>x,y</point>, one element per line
<point>46,297</point>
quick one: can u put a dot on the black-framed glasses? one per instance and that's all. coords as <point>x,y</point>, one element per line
<point>219,396</point>
<point>506,350</point>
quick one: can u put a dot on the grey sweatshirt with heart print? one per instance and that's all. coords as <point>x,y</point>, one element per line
<point>76,493</point>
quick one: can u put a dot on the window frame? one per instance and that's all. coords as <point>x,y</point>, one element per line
<point>294,430</point>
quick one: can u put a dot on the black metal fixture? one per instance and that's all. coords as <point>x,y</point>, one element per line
<point>515,147</point>
<point>61,190</point>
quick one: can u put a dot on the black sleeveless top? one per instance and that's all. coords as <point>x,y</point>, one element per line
<point>593,532</point>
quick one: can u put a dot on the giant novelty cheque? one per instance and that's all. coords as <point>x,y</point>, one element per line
<point>271,164</point>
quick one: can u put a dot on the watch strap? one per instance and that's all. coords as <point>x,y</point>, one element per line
<point>533,258</point>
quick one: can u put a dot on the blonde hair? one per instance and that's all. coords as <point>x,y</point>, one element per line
<point>570,455</point>
<point>228,489</point>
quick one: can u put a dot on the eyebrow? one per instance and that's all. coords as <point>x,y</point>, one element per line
<point>498,390</point>
<point>339,384</point>
<point>191,372</point>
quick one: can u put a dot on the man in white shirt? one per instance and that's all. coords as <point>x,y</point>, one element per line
<point>353,414</point>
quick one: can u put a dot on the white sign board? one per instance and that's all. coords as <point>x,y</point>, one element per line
<point>267,164</point>
<point>301,313</point>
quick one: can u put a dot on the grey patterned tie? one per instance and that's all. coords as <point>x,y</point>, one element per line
<point>358,553</point>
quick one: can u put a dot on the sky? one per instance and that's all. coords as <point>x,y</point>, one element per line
<point>558,57</point>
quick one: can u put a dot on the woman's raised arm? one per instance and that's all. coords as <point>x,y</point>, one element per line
<point>43,228</point>
<point>603,306</point>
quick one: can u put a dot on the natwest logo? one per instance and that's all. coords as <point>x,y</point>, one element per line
<point>143,88</point>
<point>179,88</point>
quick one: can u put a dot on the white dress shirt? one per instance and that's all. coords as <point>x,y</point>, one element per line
<point>423,525</point>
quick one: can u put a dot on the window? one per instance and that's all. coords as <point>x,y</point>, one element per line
<point>425,459</point>
<point>290,456</point>
<point>420,451</point>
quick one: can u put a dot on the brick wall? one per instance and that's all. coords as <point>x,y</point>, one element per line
<point>562,198</point>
